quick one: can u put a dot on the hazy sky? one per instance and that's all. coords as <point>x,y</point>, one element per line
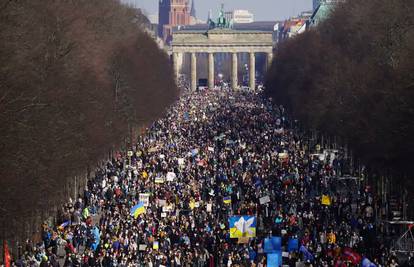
<point>262,9</point>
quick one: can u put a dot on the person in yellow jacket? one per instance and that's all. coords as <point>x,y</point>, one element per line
<point>331,237</point>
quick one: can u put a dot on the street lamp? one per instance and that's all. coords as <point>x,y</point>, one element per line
<point>220,76</point>
<point>246,74</point>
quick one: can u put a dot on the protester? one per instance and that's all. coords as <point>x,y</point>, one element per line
<point>214,155</point>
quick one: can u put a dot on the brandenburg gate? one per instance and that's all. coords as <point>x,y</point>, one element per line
<point>221,40</point>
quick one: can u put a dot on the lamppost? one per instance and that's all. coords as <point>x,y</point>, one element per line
<point>246,74</point>
<point>220,76</point>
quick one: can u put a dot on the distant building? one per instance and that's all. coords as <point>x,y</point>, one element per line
<point>266,26</point>
<point>254,26</point>
<point>317,3</point>
<point>293,26</point>
<point>322,11</point>
<point>172,13</point>
<point>297,25</point>
<point>239,16</point>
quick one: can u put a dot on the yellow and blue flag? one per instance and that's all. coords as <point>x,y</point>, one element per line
<point>156,245</point>
<point>138,209</point>
<point>242,226</point>
<point>326,200</point>
<point>227,200</point>
<point>63,225</point>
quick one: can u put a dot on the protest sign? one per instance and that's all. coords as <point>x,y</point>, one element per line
<point>283,155</point>
<point>167,208</point>
<point>326,200</point>
<point>264,200</point>
<point>273,244</point>
<point>171,176</point>
<point>293,244</point>
<point>162,202</point>
<point>242,226</point>
<point>144,198</point>
<point>273,260</point>
<point>159,180</point>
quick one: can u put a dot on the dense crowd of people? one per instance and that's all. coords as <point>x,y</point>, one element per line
<point>215,145</point>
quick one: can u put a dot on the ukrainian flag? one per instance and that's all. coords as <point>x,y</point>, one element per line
<point>326,200</point>
<point>227,200</point>
<point>138,209</point>
<point>242,226</point>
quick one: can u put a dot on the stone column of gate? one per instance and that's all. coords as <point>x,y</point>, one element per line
<point>269,59</point>
<point>234,82</point>
<point>176,65</point>
<point>210,70</point>
<point>193,71</point>
<point>252,76</point>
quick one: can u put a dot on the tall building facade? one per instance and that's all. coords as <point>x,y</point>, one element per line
<point>172,13</point>
<point>317,3</point>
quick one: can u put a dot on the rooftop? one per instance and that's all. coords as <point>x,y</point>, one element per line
<point>256,26</point>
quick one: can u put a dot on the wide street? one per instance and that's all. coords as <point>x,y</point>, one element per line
<point>220,177</point>
<point>186,133</point>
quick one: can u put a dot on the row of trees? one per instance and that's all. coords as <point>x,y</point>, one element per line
<point>353,77</point>
<point>76,77</point>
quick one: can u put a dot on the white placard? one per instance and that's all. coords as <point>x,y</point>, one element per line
<point>144,197</point>
<point>264,200</point>
<point>159,180</point>
<point>209,207</point>
<point>162,202</point>
<point>171,176</point>
<point>283,155</point>
<point>167,208</point>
